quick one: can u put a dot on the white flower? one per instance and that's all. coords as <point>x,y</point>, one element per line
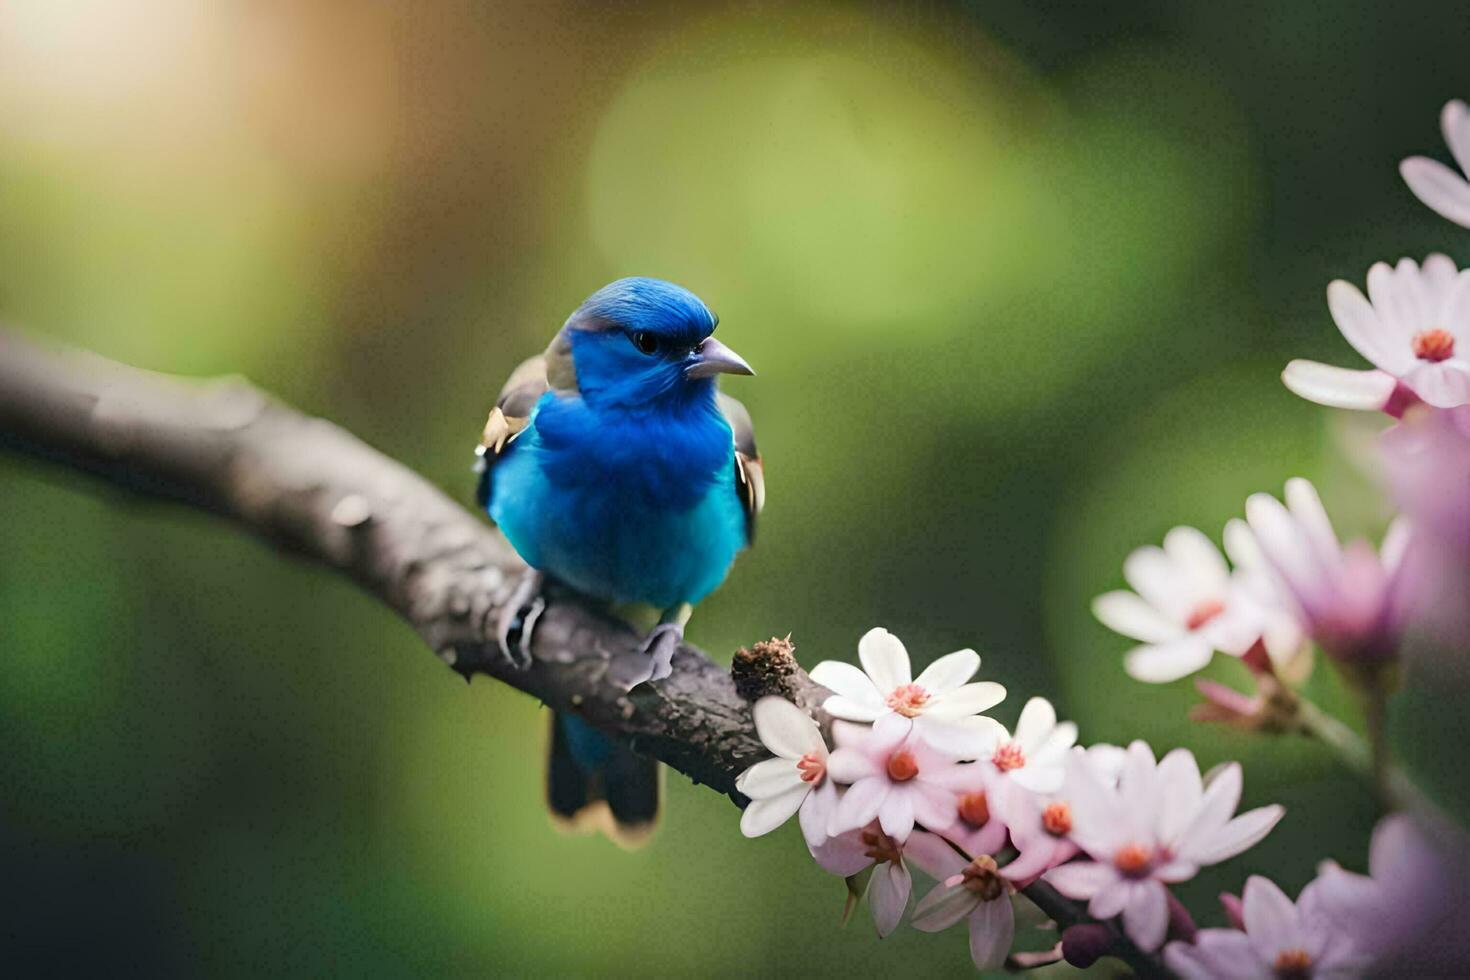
<point>894,777</point>
<point>1437,185</point>
<point>1033,760</point>
<point>796,780</point>
<point>1415,330</point>
<point>1281,939</point>
<point>972,890</point>
<point>1160,825</point>
<point>1349,597</point>
<point>1184,607</point>
<point>1283,634</point>
<point>938,703</point>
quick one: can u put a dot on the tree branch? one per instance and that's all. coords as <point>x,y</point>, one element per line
<point>314,489</point>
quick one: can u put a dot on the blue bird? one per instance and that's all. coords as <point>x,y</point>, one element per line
<point>613,464</point>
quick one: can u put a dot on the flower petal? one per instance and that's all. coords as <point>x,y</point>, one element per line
<point>1217,953</point>
<point>1146,919</point>
<point>885,659</point>
<point>1271,920</point>
<point>933,806</point>
<point>974,737</point>
<point>992,926</point>
<point>1037,720</point>
<point>943,907</point>
<point>769,778</point>
<point>859,805</point>
<point>1152,575</point>
<point>896,814</point>
<point>1338,387</point>
<point>1081,879</point>
<point>1443,385</point>
<point>849,765</point>
<point>1165,662</point>
<point>931,855</point>
<point>764,816</point>
<point>847,680</point>
<point>1362,327</point>
<point>1240,834</point>
<point>1211,812</point>
<point>844,855</point>
<point>970,699</point>
<point>841,706</point>
<point>1111,899</point>
<point>1196,556</point>
<point>1180,794</point>
<point>949,671</point>
<point>816,813</point>
<point>888,895</point>
<point>1124,612</point>
<point>785,729</point>
<point>1439,187</point>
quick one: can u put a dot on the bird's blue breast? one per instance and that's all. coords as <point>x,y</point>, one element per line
<point>625,506</point>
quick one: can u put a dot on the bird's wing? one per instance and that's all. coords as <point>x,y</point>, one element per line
<point>508,419</point>
<point>750,480</point>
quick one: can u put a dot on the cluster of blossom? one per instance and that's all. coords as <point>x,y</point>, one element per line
<point>920,777</point>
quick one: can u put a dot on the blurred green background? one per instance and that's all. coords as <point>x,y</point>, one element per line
<point>1018,280</point>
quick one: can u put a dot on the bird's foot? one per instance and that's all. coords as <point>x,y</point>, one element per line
<point>516,621</point>
<point>653,663</point>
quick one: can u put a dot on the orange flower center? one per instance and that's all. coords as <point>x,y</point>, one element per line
<point>1293,964</point>
<point>982,879</point>
<point>1435,344</point>
<point>975,809</point>
<point>880,847</point>
<point>812,767</point>
<point>902,766</point>
<point>1203,613</point>
<point>1133,859</point>
<point>1008,756</point>
<point>908,699</point>
<point>1056,819</point>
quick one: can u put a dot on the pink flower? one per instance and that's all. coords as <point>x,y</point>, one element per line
<point>1160,825</point>
<point>1041,827</point>
<point>891,885</point>
<point>795,781</point>
<point>1437,185</point>
<point>938,704</point>
<point>1427,458</point>
<point>1415,331</point>
<point>975,891</point>
<point>895,777</point>
<point>1409,914</point>
<point>1184,607</point>
<point>1280,939</point>
<point>1350,598</point>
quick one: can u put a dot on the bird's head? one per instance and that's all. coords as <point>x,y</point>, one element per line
<point>640,343</point>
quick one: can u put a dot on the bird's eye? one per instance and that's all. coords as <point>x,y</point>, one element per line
<point>645,341</point>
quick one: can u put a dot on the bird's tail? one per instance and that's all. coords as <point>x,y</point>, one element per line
<point>595,784</point>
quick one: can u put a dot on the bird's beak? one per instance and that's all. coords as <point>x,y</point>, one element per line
<point>712,357</point>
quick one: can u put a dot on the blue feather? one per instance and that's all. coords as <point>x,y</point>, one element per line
<point>626,487</point>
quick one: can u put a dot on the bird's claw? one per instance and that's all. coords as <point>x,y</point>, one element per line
<point>518,615</point>
<point>653,662</point>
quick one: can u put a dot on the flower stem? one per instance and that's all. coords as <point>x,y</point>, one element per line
<point>1368,759</point>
